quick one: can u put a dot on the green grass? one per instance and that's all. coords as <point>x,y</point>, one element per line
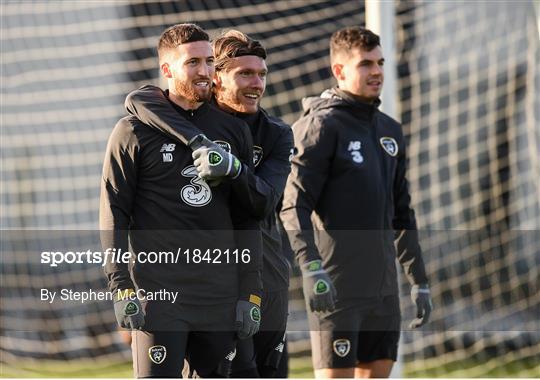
<point>299,368</point>
<point>493,368</point>
<point>77,368</point>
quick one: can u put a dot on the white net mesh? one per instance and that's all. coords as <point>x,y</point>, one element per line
<point>66,68</point>
<point>469,85</point>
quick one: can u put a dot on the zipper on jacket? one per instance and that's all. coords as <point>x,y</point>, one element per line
<point>384,175</point>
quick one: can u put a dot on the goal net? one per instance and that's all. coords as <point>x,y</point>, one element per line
<point>66,69</point>
<point>469,85</point>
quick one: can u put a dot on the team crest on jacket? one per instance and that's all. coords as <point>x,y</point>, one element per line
<point>157,354</point>
<point>342,347</point>
<point>389,145</point>
<point>257,155</point>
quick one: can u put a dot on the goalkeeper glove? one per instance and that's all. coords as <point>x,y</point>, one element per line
<point>318,288</point>
<point>421,297</point>
<point>128,310</point>
<point>248,317</point>
<point>212,161</point>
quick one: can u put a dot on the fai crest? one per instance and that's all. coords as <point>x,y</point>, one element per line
<point>389,145</point>
<point>257,155</point>
<point>342,347</point>
<point>157,354</point>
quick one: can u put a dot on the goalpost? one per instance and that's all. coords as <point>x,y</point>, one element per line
<point>380,18</point>
<point>466,88</point>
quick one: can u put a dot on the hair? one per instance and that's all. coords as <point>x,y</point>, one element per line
<point>346,39</point>
<point>180,34</point>
<point>233,43</point>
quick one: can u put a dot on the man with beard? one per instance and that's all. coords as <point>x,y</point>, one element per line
<point>346,200</point>
<point>150,189</point>
<point>239,84</point>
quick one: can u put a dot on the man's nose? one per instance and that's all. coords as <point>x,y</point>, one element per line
<point>257,82</point>
<point>204,70</point>
<point>377,70</point>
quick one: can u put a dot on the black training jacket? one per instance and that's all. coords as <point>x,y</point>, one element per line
<point>150,189</point>
<point>258,190</point>
<point>347,197</point>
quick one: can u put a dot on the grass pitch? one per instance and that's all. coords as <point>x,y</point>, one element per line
<point>299,368</point>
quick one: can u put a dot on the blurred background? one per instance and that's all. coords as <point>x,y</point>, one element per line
<point>468,94</point>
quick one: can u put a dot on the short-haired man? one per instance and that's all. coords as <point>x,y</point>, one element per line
<point>239,84</point>
<point>150,188</point>
<point>349,171</point>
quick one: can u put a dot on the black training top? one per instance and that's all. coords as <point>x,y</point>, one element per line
<point>151,188</point>
<point>273,145</point>
<point>347,194</point>
<point>258,190</point>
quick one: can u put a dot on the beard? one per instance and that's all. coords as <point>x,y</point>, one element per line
<point>231,98</point>
<point>187,90</point>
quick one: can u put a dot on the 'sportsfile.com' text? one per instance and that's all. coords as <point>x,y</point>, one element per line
<point>112,255</point>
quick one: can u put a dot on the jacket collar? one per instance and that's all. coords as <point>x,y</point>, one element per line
<point>203,108</point>
<point>360,108</point>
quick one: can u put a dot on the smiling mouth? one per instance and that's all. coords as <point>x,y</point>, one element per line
<point>202,84</point>
<point>252,95</point>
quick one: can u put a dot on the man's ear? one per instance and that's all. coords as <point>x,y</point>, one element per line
<point>217,80</point>
<point>165,70</point>
<point>337,70</point>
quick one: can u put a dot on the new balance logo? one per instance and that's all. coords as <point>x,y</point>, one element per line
<point>280,347</point>
<point>167,148</point>
<point>354,149</point>
<point>354,145</point>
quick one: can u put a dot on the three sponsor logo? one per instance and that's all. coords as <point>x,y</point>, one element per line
<point>198,192</point>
